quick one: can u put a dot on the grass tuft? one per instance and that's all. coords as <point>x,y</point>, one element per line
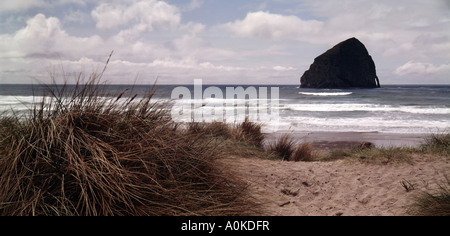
<point>251,132</point>
<point>287,149</point>
<point>433,204</point>
<point>437,144</point>
<point>303,152</point>
<point>283,147</point>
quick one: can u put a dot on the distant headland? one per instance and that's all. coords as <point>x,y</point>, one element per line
<point>346,65</point>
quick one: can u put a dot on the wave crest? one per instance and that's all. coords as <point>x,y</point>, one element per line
<point>326,94</point>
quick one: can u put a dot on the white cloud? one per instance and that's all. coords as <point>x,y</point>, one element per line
<point>407,38</point>
<point>40,46</point>
<point>148,14</point>
<point>193,28</point>
<point>19,5</point>
<point>193,4</point>
<point>38,37</point>
<point>43,45</point>
<point>130,34</point>
<point>283,68</point>
<point>266,25</point>
<point>76,16</point>
<point>400,35</point>
<point>420,68</point>
<point>44,37</point>
<point>108,16</point>
<point>392,29</point>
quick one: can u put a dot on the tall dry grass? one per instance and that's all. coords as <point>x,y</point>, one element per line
<point>78,153</point>
<point>433,204</point>
<point>247,131</point>
<point>288,149</point>
<point>437,144</point>
<point>282,146</point>
<point>303,152</point>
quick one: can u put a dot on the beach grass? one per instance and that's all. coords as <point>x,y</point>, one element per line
<point>433,204</point>
<point>247,132</point>
<point>303,152</point>
<point>287,148</point>
<point>437,144</point>
<point>79,154</point>
<point>283,147</point>
<point>380,156</point>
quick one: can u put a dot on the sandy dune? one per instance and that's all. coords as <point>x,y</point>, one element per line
<point>337,188</point>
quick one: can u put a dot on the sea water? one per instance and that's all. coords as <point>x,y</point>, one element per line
<point>408,109</point>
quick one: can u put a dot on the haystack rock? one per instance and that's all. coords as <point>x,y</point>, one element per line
<point>346,65</point>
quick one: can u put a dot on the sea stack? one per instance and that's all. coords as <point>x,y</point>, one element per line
<point>346,65</point>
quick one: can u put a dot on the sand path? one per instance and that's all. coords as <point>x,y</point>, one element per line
<point>337,188</point>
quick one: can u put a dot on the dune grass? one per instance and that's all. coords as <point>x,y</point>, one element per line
<point>380,156</point>
<point>78,154</point>
<point>303,152</point>
<point>288,149</point>
<point>239,140</point>
<point>437,144</point>
<point>247,131</point>
<point>283,147</point>
<point>433,204</point>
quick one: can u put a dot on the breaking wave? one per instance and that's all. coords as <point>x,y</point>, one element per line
<point>327,94</point>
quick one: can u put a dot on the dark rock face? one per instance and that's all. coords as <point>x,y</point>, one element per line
<point>346,65</point>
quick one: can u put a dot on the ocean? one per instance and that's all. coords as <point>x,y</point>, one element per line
<point>401,109</point>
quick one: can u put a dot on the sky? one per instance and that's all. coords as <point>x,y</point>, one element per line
<point>218,41</point>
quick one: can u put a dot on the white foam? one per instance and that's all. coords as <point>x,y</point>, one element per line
<point>329,107</point>
<point>367,124</point>
<point>6,100</point>
<point>325,94</point>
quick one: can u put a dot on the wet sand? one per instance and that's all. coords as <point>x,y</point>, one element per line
<point>341,140</point>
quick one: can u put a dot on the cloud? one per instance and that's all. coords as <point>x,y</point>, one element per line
<point>390,28</point>
<point>158,38</point>
<point>44,37</point>
<point>31,52</point>
<point>76,16</point>
<point>420,68</point>
<point>38,37</point>
<point>19,6</point>
<point>149,15</point>
<point>266,25</point>
<point>283,68</point>
<point>193,28</point>
<point>193,5</point>
<point>12,6</point>
<point>43,45</point>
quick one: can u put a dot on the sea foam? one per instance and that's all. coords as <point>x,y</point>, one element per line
<point>326,94</point>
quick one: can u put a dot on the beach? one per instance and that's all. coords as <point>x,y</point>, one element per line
<point>338,188</point>
<point>341,187</point>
